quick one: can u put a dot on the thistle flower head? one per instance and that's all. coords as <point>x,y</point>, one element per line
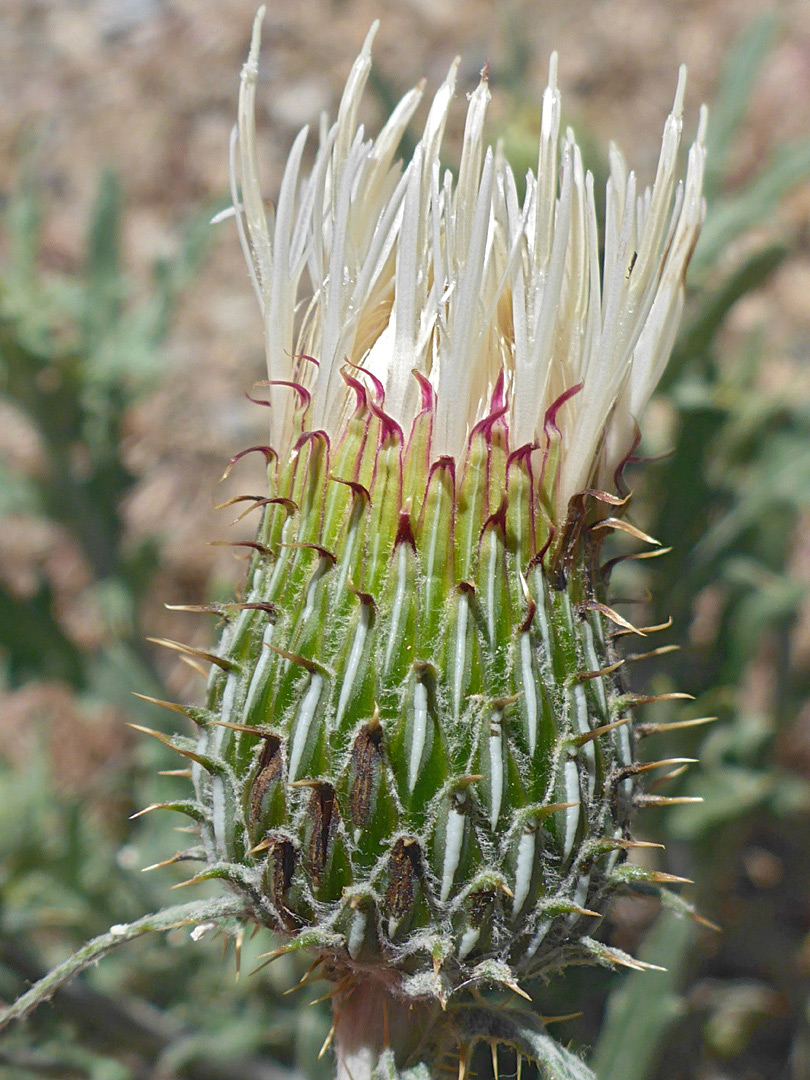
<point>452,290</point>
<point>417,755</point>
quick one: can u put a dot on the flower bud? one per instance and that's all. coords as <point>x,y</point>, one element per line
<point>417,755</point>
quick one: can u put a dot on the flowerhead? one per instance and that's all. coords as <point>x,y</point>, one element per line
<point>428,287</point>
<point>418,756</point>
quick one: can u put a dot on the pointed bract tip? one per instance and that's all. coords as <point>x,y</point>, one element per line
<point>147,731</point>
<point>369,40</point>
<point>513,986</point>
<point>171,705</point>
<point>544,1020</point>
<point>251,68</point>
<point>553,63</point>
<point>680,93</point>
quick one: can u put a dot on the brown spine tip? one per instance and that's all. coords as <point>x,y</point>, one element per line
<point>196,654</point>
<point>252,544</point>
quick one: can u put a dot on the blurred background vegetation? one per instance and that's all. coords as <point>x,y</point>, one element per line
<point>115,423</point>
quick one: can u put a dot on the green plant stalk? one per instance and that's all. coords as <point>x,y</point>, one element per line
<point>192,914</point>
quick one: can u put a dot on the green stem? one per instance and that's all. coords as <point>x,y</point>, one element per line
<point>182,915</point>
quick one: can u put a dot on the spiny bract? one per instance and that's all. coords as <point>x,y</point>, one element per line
<point>417,757</point>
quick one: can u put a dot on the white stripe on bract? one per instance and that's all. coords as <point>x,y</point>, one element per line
<point>406,271</point>
<point>571,779</point>
<point>542,929</point>
<point>495,768</point>
<point>469,939</point>
<point>492,582</point>
<point>580,895</point>
<point>418,733</point>
<point>401,571</point>
<point>353,662</point>
<point>303,722</point>
<point>529,688</point>
<point>541,611</point>
<point>460,652</point>
<point>593,664</point>
<point>357,933</point>
<point>261,671</point>
<point>588,751</point>
<point>453,839</point>
<point>524,866</point>
<point>219,817</point>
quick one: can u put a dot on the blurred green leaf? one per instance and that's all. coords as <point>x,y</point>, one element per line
<point>34,643</point>
<point>641,1009</point>
<point>728,794</point>
<point>730,217</point>
<point>23,220</point>
<point>731,102</point>
<point>104,294</point>
<point>18,494</point>
<point>780,475</point>
<point>698,335</point>
<point>76,352</point>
